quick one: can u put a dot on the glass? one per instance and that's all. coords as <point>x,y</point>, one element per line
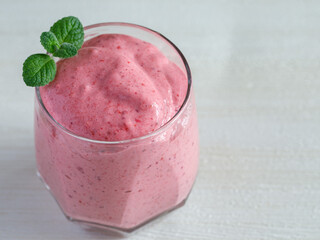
<point>120,185</point>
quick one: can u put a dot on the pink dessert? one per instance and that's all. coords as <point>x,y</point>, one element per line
<point>117,88</point>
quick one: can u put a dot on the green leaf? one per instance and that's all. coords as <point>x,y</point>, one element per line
<point>66,50</point>
<point>49,41</point>
<point>69,30</point>
<point>63,40</point>
<point>38,70</point>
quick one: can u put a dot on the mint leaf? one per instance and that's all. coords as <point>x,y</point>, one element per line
<point>38,70</point>
<point>66,50</point>
<point>49,41</point>
<point>63,40</point>
<point>69,30</point>
<point>65,37</point>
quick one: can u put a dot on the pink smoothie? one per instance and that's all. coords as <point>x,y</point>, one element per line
<point>117,88</point>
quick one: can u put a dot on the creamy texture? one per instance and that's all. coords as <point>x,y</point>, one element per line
<point>116,88</point>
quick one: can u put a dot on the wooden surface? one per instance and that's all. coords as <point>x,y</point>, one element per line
<point>256,71</point>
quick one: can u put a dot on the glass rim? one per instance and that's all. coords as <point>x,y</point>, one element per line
<point>146,136</point>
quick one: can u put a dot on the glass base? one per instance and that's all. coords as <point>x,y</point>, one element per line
<point>113,230</point>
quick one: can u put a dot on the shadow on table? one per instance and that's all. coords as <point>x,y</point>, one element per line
<point>29,207</point>
<point>107,234</point>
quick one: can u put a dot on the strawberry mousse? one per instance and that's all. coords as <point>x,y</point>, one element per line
<point>116,133</point>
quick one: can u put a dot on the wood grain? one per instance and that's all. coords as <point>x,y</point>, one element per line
<point>256,75</point>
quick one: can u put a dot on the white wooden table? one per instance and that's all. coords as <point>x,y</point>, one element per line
<point>256,70</point>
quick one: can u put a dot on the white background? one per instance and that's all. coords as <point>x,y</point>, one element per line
<point>256,72</point>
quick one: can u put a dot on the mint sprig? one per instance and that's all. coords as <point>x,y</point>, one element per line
<point>49,41</point>
<point>66,50</point>
<point>69,30</point>
<point>64,39</point>
<point>38,70</point>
